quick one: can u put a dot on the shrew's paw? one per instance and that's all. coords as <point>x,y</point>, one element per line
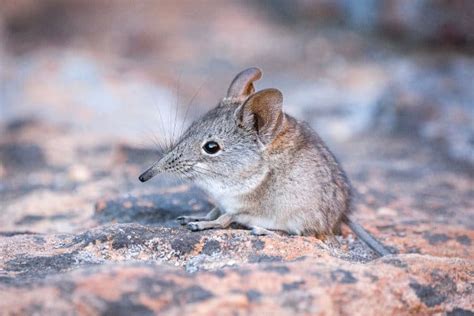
<point>260,231</point>
<point>183,220</point>
<point>193,227</point>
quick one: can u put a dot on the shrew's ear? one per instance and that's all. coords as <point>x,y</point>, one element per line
<point>263,112</point>
<point>242,85</point>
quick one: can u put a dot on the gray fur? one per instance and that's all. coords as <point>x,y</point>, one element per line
<point>273,172</point>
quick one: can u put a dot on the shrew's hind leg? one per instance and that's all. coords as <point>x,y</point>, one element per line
<point>222,221</point>
<point>212,215</point>
<point>260,231</point>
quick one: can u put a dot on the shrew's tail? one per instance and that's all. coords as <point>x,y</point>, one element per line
<point>366,237</point>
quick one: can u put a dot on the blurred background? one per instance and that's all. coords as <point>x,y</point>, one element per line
<point>87,89</point>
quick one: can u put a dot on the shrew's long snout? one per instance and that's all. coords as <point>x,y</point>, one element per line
<point>149,173</point>
<point>169,163</point>
<point>156,168</point>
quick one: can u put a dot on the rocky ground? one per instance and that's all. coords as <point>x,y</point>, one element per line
<point>90,236</point>
<point>78,125</point>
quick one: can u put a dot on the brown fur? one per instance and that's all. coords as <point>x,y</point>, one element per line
<point>271,172</point>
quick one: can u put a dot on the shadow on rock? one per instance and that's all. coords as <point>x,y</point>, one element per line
<point>152,209</point>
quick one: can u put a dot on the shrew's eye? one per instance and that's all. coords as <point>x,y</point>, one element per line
<point>211,147</point>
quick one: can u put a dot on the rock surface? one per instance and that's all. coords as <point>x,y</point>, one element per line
<point>408,284</point>
<point>124,253</point>
<point>79,232</point>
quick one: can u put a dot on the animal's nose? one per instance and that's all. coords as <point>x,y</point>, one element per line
<point>149,173</point>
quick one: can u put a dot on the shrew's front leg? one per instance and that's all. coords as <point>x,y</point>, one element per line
<point>212,215</point>
<point>222,221</point>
